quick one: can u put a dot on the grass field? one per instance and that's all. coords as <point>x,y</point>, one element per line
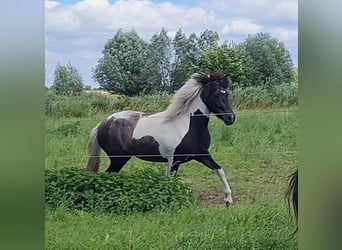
<point>257,153</point>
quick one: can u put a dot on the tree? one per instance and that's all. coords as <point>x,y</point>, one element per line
<point>187,53</point>
<point>67,80</point>
<point>208,39</point>
<point>179,73</point>
<point>267,60</point>
<point>161,56</point>
<point>125,67</point>
<point>226,58</point>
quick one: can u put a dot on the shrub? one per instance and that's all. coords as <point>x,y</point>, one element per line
<point>144,191</point>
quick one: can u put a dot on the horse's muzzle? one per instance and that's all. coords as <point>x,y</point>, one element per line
<point>229,119</point>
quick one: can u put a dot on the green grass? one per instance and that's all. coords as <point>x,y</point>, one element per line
<point>258,153</point>
<point>262,226</point>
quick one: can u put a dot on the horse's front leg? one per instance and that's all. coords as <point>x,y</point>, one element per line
<point>210,163</point>
<point>172,167</point>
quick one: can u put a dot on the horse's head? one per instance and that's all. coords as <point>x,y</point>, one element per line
<point>215,95</point>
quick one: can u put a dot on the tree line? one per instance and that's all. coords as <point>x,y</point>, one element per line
<point>131,66</point>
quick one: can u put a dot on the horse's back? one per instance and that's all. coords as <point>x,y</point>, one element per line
<point>131,115</point>
<point>115,133</point>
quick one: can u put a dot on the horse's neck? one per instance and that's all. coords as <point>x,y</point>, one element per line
<point>198,104</point>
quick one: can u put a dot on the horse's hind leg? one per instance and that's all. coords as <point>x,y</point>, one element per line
<point>116,163</point>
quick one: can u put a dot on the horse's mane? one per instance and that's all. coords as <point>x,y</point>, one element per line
<point>190,90</point>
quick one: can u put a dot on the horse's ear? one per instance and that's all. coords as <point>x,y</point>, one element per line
<point>222,78</point>
<point>205,74</point>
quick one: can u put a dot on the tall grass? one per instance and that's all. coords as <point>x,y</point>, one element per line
<point>268,96</point>
<point>91,104</point>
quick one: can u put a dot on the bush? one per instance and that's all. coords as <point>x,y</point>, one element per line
<point>144,191</point>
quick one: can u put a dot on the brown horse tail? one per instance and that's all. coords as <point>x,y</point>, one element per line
<point>94,152</point>
<point>292,193</point>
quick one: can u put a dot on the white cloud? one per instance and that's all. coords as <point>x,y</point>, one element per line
<point>49,5</point>
<point>272,11</point>
<point>83,28</point>
<point>284,34</point>
<point>241,27</point>
<point>139,14</point>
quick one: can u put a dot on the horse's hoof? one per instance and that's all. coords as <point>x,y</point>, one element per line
<point>228,202</point>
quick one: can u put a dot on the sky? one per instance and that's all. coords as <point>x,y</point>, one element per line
<point>76,31</point>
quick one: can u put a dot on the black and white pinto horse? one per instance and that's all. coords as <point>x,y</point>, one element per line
<point>177,135</point>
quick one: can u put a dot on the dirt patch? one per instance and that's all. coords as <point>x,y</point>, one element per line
<point>207,198</point>
<point>213,197</point>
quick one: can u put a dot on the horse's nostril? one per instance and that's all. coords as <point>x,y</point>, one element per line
<point>232,118</point>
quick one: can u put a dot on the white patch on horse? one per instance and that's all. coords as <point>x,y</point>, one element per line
<point>198,104</point>
<point>168,134</point>
<point>126,114</point>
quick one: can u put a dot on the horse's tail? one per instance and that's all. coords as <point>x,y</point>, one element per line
<point>94,151</point>
<point>292,193</point>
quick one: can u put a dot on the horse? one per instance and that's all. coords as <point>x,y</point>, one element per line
<point>292,195</point>
<point>176,136</point>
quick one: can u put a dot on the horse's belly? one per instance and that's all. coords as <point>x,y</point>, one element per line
<point>153,158</point>
<point>159,137</point>
<point>147,148</point>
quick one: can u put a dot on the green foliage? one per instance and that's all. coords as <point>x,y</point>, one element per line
<point>68,130</point>
<point>283,95</point>
<point>161,56</point>
<point>226,58</point>
<point>76,106</point>
<point>187,53</point>
<point>179,69</point>
<point>268,60</point>
<point>208,39</point>
<point>125,66</point>
<point>144,191</point>
<point>91,104</point>
<point>67,81</point>
<point>131,66</point>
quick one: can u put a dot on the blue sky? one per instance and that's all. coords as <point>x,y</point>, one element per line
<point>184,2</point>
<point>76,31</point>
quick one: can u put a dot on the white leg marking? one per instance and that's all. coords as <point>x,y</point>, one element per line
<point>227,192</point>
<point>169,160</point>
